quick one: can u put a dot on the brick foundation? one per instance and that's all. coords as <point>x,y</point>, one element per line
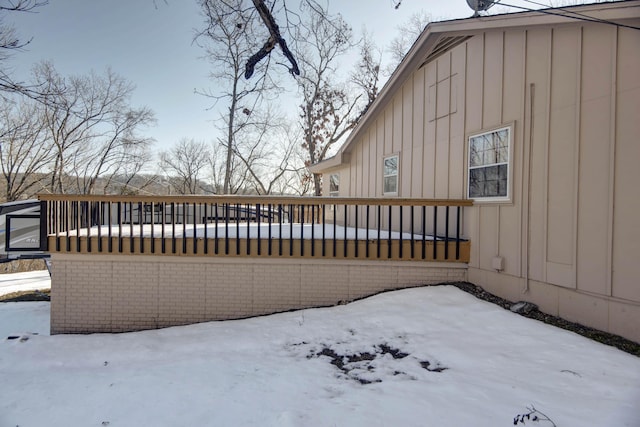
<point>128,293</point>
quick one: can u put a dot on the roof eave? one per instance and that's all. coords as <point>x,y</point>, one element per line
<point>334,162</point>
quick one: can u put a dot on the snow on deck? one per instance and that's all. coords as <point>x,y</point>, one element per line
<point>245,230</point>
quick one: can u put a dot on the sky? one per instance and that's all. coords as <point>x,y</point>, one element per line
<point>431,356</point>
<point>150,43</point>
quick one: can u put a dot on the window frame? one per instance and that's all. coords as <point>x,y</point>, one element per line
<point>507,198</point>
<point>335,193</point>
<point>385,176</point>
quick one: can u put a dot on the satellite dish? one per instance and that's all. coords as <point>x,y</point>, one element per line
<point>480,5</point>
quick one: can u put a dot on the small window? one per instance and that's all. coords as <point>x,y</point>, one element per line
<point>488,165</point>
<point>334,185</point>
<point>390,178</point>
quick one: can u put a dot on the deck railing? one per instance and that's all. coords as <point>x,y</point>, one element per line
<point>325,227</point>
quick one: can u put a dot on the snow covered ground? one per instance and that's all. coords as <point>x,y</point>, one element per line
<point>432,356</point>
<point>27,281</point>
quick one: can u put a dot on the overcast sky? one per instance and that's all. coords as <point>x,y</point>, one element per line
<point>150,43</point>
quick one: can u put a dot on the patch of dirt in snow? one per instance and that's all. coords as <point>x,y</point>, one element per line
<point>43,295</point>
<point>362,366</point>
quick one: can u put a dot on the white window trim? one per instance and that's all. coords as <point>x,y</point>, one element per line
<point>397,175</point>
<point>495,199</point>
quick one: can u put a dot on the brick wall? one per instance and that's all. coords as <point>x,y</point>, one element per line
<point>92,293</point>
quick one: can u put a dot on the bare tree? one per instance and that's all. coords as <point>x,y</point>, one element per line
<point>10,42</point>
<point>296,177</point>
<point>25,153</point>
<point>366,75</point>
<point>130,178</point>
<point>230,39</point>
<point>330,109</point>
<point>184,165</point>
<point>268,154</point>
<point>408,33</point>
<point>93,129</point>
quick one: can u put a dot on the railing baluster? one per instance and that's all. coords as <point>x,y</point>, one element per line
<point>163,243</point>
<point>195,230</point>
<point>356,227</point>
<point>141,223</point>
<point>173,228</point>
<point>205,221</point>
<point>215,231</point>
<point>313,229</point>
<point>446,233</point>
<point>120,249</point>
<point>335,215</point>
<point>99,226</point>
<point>401,231</point>
<point>412,231</point>
<point>424,232</point>
<point>88,225</point>
<point>270,221</point>
<point>259,220</point>
<point>379,229</point>
<point>324,225</point>
<point>58,219</point>
<point>67,214</point>
<point>435,233</point>
<point>390,227</point>
<point>281,219</point>
<point>367,234</point>
<point>248,215</point>
<point>78,225</point>
<point>153,222</point>
<point>301,209</point>
<point>458,232</point>
<point>131,245</point>
<point>237,213</point>
<point>185,218</point>
<point>345,230</point>
<point>292,218</point>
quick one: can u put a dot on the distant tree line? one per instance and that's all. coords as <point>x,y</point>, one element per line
<point>80,130</point>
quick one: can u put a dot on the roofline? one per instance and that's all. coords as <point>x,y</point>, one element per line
<point>433,32</point>
<point>332,162</point>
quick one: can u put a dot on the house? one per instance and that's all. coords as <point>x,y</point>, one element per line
<point>535,116</point>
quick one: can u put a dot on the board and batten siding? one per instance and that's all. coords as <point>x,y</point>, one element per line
<point>569,236</point>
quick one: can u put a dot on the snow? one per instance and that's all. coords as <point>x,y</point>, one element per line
<point>27,281</point>
<point>486,366</point>
<point>244,229</point>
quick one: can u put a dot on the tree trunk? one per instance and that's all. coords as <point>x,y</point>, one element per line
<point>317,184</point>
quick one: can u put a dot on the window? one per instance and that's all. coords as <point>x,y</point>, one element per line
<point>489,157</point>
<point>334,185</point>
<point>390,177</point>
